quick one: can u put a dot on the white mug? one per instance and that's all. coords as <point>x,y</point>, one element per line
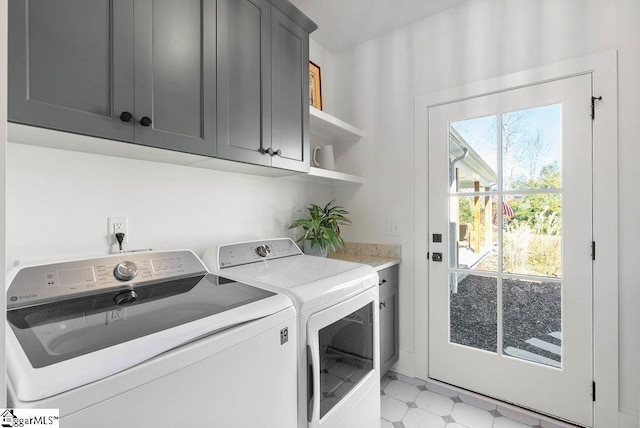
<point>324,159</point>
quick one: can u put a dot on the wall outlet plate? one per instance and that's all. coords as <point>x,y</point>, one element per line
<point>117,225</point>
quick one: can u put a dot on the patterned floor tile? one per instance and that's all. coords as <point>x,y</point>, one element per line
<point>401,391</point>
<point>385,424</point>
<point>412,403</point>
<point>391,409</point>
<point>434,403</point>
<point>471,416</point>
<point>418,418</point>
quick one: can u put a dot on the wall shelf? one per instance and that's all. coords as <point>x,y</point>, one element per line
<point>325,176</point>
<point>331,128</point>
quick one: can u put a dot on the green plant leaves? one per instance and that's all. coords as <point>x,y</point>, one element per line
<point>321,226</point>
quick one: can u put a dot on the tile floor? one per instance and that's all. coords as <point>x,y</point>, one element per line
<point>412,403</point>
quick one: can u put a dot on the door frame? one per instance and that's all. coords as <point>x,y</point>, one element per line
<point>603,68</point>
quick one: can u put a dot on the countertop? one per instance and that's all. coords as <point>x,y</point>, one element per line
<point>376,262</point>
<point>378,256</point>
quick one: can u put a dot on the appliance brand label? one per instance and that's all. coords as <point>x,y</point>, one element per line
<point>24,297</point>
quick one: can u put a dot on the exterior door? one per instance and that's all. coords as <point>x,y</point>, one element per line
<point>510,230</point>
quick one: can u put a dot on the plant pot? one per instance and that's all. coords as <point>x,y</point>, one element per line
<point>315,250</point>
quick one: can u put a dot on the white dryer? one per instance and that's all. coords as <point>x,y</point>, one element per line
<point>138,340</point>
<point>338,326</point>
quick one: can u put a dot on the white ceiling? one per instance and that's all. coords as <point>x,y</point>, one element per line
<point>343,24</point>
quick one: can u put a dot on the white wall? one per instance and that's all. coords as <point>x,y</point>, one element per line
<point>324,59</point>
<point>58,202</point>
<point>376,83</point>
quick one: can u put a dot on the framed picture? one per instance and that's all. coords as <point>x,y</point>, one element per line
<point>315,89</point>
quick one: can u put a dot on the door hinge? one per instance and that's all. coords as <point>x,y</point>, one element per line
<point>593,106</point>
<point>593,250</point>
<point>593,391</point>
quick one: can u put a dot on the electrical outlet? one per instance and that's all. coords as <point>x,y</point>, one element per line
<point>393,227</point>
<point>117,225</point>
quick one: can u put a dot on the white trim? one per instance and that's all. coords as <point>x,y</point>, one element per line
<point>603,67</point>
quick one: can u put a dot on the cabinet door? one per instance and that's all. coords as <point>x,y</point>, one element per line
<point>71,65</point>
<point>175,74</point>
<point>387,330</point>
<point>389,318</point>
<point>243,81</point>
<point>290,93</point>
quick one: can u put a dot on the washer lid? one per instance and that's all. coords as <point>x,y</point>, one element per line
<point>58,346</point>
<point>309,281</point>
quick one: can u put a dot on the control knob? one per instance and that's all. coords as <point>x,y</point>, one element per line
<point>125,271</point>
<point>125,297</point>
<point>263,250</point>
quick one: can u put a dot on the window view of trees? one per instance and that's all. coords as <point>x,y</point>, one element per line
<point>531,180</point>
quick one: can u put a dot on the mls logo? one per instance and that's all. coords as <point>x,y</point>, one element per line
<point>6,418</point>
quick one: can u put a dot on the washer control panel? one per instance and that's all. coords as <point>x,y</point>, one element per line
<point>256,251</point>
<point>38,284</point>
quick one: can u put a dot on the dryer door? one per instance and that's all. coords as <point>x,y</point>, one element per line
<point>342,359</point>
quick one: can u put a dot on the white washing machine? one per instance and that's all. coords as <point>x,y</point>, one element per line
<point>149,340</point>
<point>338,326</point>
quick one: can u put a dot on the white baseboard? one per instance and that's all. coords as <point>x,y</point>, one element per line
<point>405,363</point>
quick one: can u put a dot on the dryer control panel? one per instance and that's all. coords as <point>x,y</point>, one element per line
<point>256,251</point>
<point>33,285</point>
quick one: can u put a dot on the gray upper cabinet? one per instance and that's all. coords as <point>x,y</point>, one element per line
<point>244,67</point>
<point>175,74</point>
<point>81,67</point>
<point>263,83</point>
<point>71,65</point>
<point>290,93</point>
<point>219,78</point>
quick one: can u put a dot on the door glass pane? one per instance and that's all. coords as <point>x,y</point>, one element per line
<point>473,158</point>
<point>346,355</point>
<point>473,233</point>
<point>532,234</point>
<point>531,148</point>
<point>473,311</point>
<point>532,321</point>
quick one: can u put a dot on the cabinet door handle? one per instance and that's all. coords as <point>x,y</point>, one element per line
<point>382,282</point>
<point>125,116</point>
<point>383,305</point>
<point>272,152</point>
<point>145,121</point>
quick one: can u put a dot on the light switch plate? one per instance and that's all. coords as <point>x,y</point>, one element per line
<point>393,227</point>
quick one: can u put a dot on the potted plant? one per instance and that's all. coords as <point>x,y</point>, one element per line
<point>321,228</point>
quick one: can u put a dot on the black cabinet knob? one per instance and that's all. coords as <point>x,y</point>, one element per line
<point>125,116</point>
<point>272,152</point>
<point>145,121</point>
